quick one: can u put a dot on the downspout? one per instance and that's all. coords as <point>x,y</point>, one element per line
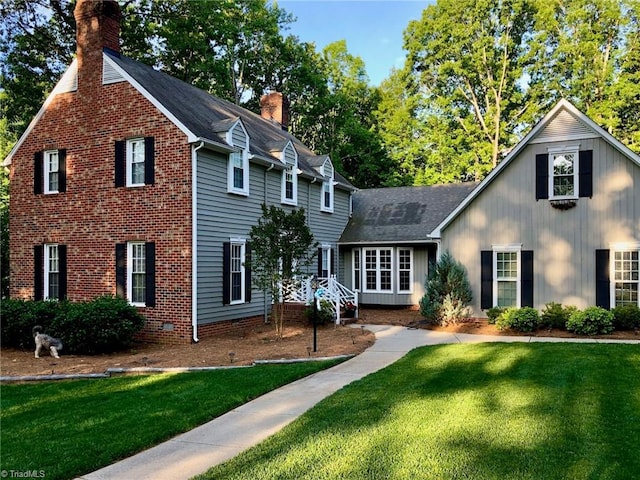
<point>266,304</point>
<point>194,241</point>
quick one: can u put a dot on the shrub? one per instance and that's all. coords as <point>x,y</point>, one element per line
<point>591,321</point>
<point>494,313</point>
<point>523,319</point>
<point>626,317</point>
<point>555,315</point>
<point>447,292</point>
<point>324,313</point>
<point>104,325</point>
<point>20,316</point>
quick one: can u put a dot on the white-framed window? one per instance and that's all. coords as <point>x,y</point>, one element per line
<point>51,171</point>
<point>507,276</point>
<point>325,262</point>
<point>563,169</point>
<point>51,271</point>
<point>405,270</point>
<point>625,274</point>
<point>357,268</point>
<point>238,166</point>
<point>290,175</point>
<point>135,162</point>
<point>326,201</point>
<point>378,269</point>
<point>237,270</point>
<point>136,273</point>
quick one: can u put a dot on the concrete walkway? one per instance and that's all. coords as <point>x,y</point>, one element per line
<point>196,451</point>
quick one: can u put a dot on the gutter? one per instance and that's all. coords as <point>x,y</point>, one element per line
<point>194,241</point>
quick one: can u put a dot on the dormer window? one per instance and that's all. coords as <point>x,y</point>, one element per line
<point>326,202</point>
<point>238,165</point>
<point>290,175</point>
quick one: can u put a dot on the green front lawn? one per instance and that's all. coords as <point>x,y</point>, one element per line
<point>487,411</point>
<point>65,429</point>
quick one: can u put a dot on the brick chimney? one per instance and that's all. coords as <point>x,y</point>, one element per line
<point>97,26</point>
<point>275,106</point>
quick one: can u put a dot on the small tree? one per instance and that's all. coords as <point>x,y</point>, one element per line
<point>447,292</point>
<point>281,245</point>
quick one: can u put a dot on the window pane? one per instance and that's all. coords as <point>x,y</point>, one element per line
<point>371,280</point>
<point>136,152</point>
<point>626,275</point>
<point>405,281</point>
<point>385,280</point>
<point>563,174</point>
<point>52,169</point>
<point>507,264</point>
<point>507,294</point>
<point>356,269</point>
<point>138,270</point>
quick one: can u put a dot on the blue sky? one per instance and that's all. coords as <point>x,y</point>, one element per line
<point>373,29</point>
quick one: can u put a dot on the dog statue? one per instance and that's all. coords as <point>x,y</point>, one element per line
<point>46,341</point>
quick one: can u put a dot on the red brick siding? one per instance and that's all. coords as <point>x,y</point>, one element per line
<point>92,216</point>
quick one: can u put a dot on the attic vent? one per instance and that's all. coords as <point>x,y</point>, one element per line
<point>110,74</point>
<point>564,127</point>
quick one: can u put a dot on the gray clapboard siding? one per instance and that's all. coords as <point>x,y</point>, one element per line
<point>222,216</point>
<point>563,241</point>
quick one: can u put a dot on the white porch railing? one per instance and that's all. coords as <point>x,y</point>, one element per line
<point>337,295</point>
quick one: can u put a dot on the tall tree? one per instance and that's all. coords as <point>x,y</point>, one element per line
<point>344,122</point>
<point>468,57</point>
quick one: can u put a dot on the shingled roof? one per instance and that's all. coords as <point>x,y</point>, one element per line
<point>401,214</point>
<point>208,117</point>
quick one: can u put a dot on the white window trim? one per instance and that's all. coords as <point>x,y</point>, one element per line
<point>328,182</point>
<point>242,242</point>
<point>130,246</point>
<point>619,247</point>
<point>363,260</point>
<point>129,161</point>
<point>410,269</point>
<point>326,259</point>
<point>507,249</point>
<point>293,168</point>
<point>244,191</point>
<point>46,169</point>
<point>244,148</point>
<point>47,258</point>
<point>355,275</point>
<point>575,150</point>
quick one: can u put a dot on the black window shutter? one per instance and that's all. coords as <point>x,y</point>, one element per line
<point>603,283</point>
<point>226,273</point>
<point>150,274</point>
<point>585,173</point>
<point>542,176</point>
<point>247,273</point>
<point>526,285</point>
<point>320,262</point>
<point>38,172</point>
<point>149,160</point>
<point>120,163</point>
<point>62,276</point>
<point>486,279</point>
<point>62,170</point>
<point>38,272</point>
<point>121,270</point>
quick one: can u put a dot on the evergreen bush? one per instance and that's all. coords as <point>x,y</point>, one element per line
<point>555,315</point>
<point>591,321</point>
<point>447,292</point>
<point>494,313</point>
<point>103,325</point>
<point>626,317</point>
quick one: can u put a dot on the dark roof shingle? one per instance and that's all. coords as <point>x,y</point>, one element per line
<point>402,214</point>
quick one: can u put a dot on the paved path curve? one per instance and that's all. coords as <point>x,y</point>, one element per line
<point>196,451</point>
